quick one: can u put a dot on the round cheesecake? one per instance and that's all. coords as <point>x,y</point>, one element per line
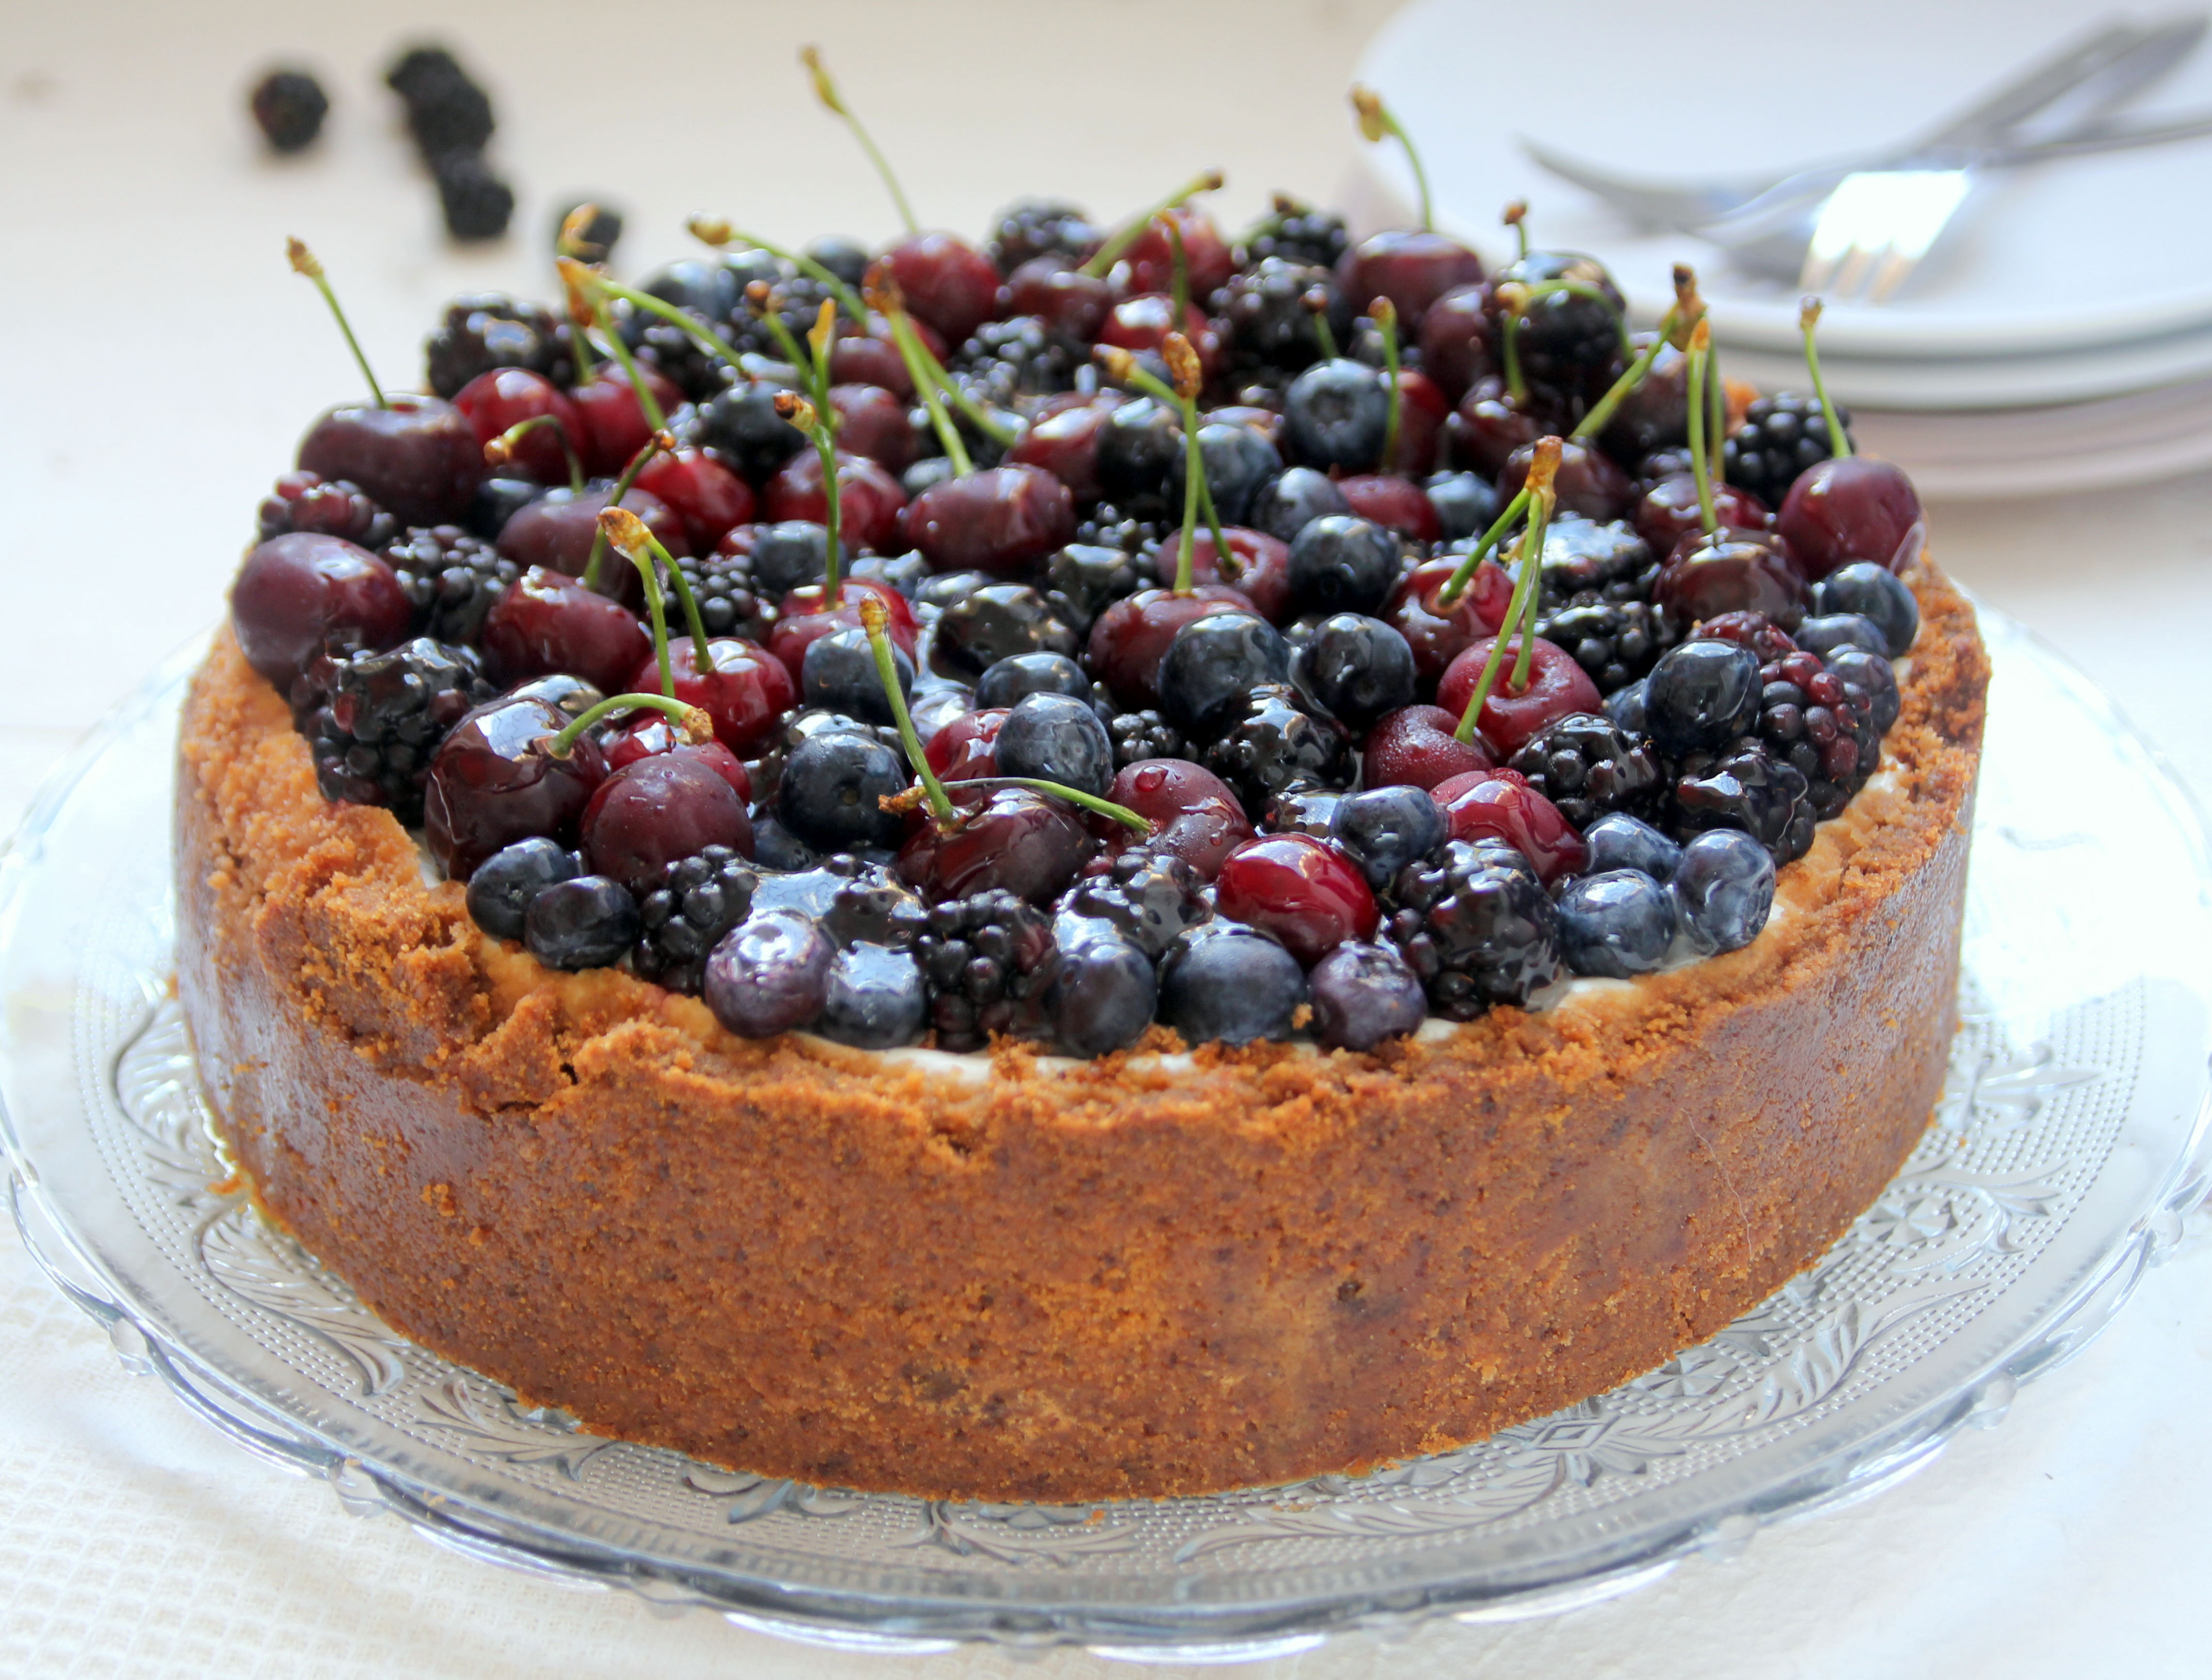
<point>1010,1276</point>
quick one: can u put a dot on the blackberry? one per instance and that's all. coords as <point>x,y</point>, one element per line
<point>988,960</point>
<point>1820,726</point>
<point>661,344</point>
<point>1148,898</point>
<point>1588,767</point>
<point>1107,526</point>
<point>1011,358</point>
<point>1268,741</point>
<point>447,111</point>
<point>1477,927</point>
<point>1614,641</point>
<point>1744,785</point>
<point>331,507</point>
<point>478,204</point>
<point>1040,228</point>
<point>1269,323</point>
<point>290,106</point>
<point>1296,233</point>
<point>1140,735</point>
<point>488,330</point>
<point>699,899</point>
<point>1581,554</point>
<point>797,302</point>
<point>383,716</point>
<point>451,579</point>
<point>1780,437</point>
<point>729,604</point>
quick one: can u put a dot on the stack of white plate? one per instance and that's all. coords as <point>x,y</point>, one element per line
<point>2059,337</point>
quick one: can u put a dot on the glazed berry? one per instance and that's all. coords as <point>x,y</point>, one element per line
<point>495,780</point>
<point>877,998</point>
<point>500,891</point>
<point>1567,339</point>
<point>769,975</point>
<point>290,107</point>
<point>966,747</point>
<point>1359,669</point>
<point>1669,511</point>
<point>1725,888</point>
<point>657,809</point>
<point>650,734</point>
<point>829,792</point>
<point>1195,815</point>
<point>1476,927</point>
<point>1006,682</point>
<point>450,580</point>
<point>1491,422</point>
<point>1034,228</point>
<point>732,600</point>
<point>1385,828</point>
<point>1744,785</point>
<point>1439,631</point>
<point>1341,563</point>
<point>791,554</point>
<point>697,901</point>
<point>1138,446</point>
<point>1614,642</point>
<point>1147,897</point>
<point>1656,414</point>
<point>1618,924</point>
<point>1458,342</point>
<point>1299,233</point>
<point>1299,891</point>
<point>1418,747</point>
<point>1877,593</point>
<point>546,623</point>
<point>1000,520</point>
<point>1412,267</point>
<point>1143,734</point>
<point>1132,636</point>
<point>1336,415</point>
<point>1874,677</point>
<point>838,674</point>
<point>1213,662</point>
<point>745,693</point>
<point>1072,304</point>
<point>1500,805</point>
<point>557,531</point>
<point>1151,257</point>
<point>742,425</point>
<point>1588,484</point>
<point>1627,707</point>
<point>304,501</point>
<point>572,696</point>
<point>1259,567</point>
<point>947,283</point>
<point>989,961</point>
<point>1700,695</point>
<point>1236,461</point>
<point>1826,634</point>
<point>871,421</point>
<point>1268,741</point>
<point>1556,686</point>
<point>488,330</point>
<point>383,716</point>
<point>1026,843</point>
<point>1396,504</point>
<point>589,922</point>
<point>501,398</point>
<point>710,498</point>
<point>1102,997</point>
<point>1000,621</point>
<point>1365,992</point>
<point>1588,767</point>
<point>1730,571</point>
<point>299,592</point>
<point>1286,505</point>
<point>1004,362</point>
<point>804,615</point>
<point>1228,984</point>
<point>1056,738</point>
<point>1465,503</point>
<point>1618,841</point>
<point>868,498</point>
<point>1839,511</point>
<point>1268,315</point>
<point>417,456</point>
<point>1780,437</point>
<point>497,501</point>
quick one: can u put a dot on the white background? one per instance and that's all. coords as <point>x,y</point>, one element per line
<point>159,363</point>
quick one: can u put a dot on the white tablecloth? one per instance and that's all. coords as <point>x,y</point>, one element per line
<point>160,361</point>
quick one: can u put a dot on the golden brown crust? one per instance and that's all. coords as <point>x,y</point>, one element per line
<point>1135,1277</point>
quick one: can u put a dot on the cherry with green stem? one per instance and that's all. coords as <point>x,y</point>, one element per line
<point>636,543</point>
<point>826,91</point>
<point>1513,298</point>
<point>1179,283</point>
<point>504,447</point>
<point>1384,313</point>
<point>304,262</point>
<point>1130,232</point>
<point>697,727</point>
<point>588,306</point>
<point>1701,355</point>
<point>1521,611</point>
<point>797,411</point>
<point>1377,123</point>
<point>1197,494</point>
<point>883,298</point>
<point>1808,317</point>
<point>658,444</point>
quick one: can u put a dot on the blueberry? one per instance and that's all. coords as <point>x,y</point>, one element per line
<point>1703,693</point>
<point>1825,634</point>
<point>1226,981</point>
<point>1386,828</point>
<point>776,847</point>
<point>1874,674</point>
<point>829,792</point>
<point>1465,502</point>
<point>1019,675</point>
<point>1724,886</point>
<point>1627,706</point>
<point>1335,416</point>
<point>587,922</point>
<point>1057,738</point>
<point>839,674</point>
<point>875,998</point>
<point>500,890</point>
<point>1287,505</point>
<point>743,423</point>
<point>1237,460</point>
<point>1364,993</point>
<point>1876,592</point>
<point>1342,563</point>
<point>996,620</point>
<point>794,552</point>
<point>1150,898</point>
<point>700,284</point>
<point>1359,668</point>
<point>770,975</point>
<point>1102,998</point>
<point>1617,840</point>
<point>1618,924</point>
<point>1213,662</point>
<point>942,589</point>
<point>1138,446</point>
<point>1300,810</point>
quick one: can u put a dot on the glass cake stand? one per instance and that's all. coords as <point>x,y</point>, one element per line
<point>2066,1149</point>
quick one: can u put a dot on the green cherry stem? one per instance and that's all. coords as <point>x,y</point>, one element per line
<point>1513,510</point>
<point>698,728</point>
<point>1514,296</point>
<point>304,262</point>
<point>826,91</point>
<point>798,412</point>
<point>714,231</point>
<point>1601,415</point>
<point>1089,802</point>
<point>1384,313</point>
<point>1542,499</point>
<point>1582,288</point>
<point>766,309</point>
<point>874,618</point>
<point>978,416</point>
<point>659,442</point>
<point>1179,271</point>
<point>1375,124</point>
<point>1525,586</point>
<point>1808,317</point>
<point>1701,355</point>
<point>637,545</point>
<point>1516,217</point>
<point>1316,302</point>
<point>704,336</point>
<point>1127,234</point>
<point>653,416</point>
<point>916,356</point>
<point>500,449</point>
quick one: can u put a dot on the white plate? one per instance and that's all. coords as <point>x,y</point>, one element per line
<point>2038,452</point>
<point>1982,382</point>
<point>2090,252</point>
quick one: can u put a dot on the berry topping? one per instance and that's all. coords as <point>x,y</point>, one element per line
<point>1365,992</point>
<point>770,975</point>
<point>383,715</point>
<point>1618,924</point>
<point>588,922</point>
<point>1270,740</point>
<point>1056,738</point>
<point>1302,891</point>
<point>1876,593</point>
<point>1588,767</point>
<point>1336,415</point>
<point>1194,815</point>
<point>1556,686</point>
<point>1211,664</point>
<point>298,592</point>
<point>1499,805</point>
<point>1102,997</point>
<point>495,780</point>
<point>1417,748</point>
<point>500,892</point>
<point>1008,680</point>
<point>830,791</point>
<point>989,961</point>
<point>1359,669</point>
<point>303,501</point>
<point>695,902</point>
<point>1724,888</point>
<point>1743,785</point>
<point>1228,983</point>
<point>657,809</point>
<point>1476,927</point>
<point>1618,842</point>
<point>1700,695</point>
<point>1000,520</point>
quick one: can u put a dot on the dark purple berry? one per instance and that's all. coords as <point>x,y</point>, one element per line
<point>1618,924</point>
<point>1724,888</point>
<point>1365,992</point>
<point>770,975</point>
<point>500,891</point>
<point>588,922</point>
<point>1224,982</point>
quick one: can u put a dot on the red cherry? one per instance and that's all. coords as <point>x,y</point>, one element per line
<point>1856,508</point>
<point>1195,815</point>
<point>1499,805</point>
<point>868,498</point>
<point>874,422</point>
<point>803,618</point>
<point>1063,440</point>
<point>949,284</point>
<point>614,423</point>
<point>1411,267</point>
<point>998,520</point>
<point>1143,323</point>
<point>1302,890</point>
<point>1456,347</point>
<point>1150,258</point>
<point>1422,414</point>
<point>652,812</point>
<point>493,781</point>
<point>506,396</point>
<point>418,457</point>
<point>1732,571</point>
<point>1588,481</point>
<point>1397,503</point>
<point>699,485</point>
<point>649,733</point>
<point>1668,511</point>
<point>746,694</point>
<point>1557,686</point>
<point>966,749</point>
<point>1490,423</point>
<point>546,623</point>
<point>1415,747</point>
<point>871,356</point>
<point>1016,840</point>
<point>298,589</point>
<point>1262,564</point>
<point>1072,304</point>
<point>1438,632</point>
<point>555,531</point>
<point>1131,637</point>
